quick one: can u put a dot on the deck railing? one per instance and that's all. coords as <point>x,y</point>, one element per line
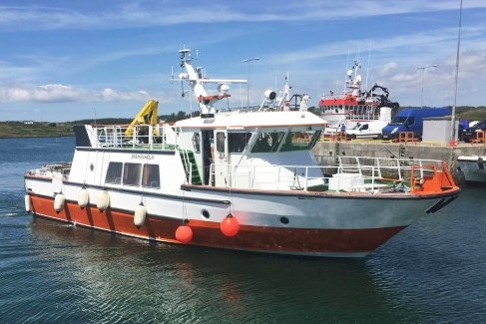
<point>142,137</point>
<point>346,174</point>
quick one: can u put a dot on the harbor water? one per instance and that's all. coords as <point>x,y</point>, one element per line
<point>432,272</point>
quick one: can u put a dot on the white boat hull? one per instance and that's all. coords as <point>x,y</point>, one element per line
<point>286,222</point>
<point>473,168</point>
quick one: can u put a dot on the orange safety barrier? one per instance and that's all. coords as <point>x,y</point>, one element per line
<point>480,137</point>
<point>428,178</point>
<point>340,136</point>
<point>407,137</point>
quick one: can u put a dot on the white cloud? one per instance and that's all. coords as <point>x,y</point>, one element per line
<point>112,95</point>
<point>51,93</point>
<point>154,13</point>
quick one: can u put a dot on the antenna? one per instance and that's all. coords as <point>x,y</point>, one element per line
<point>347,64</point>
<point>368,66</point>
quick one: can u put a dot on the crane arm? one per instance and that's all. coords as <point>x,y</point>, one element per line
<point>146,115</point>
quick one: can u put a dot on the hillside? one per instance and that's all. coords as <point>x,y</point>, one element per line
<point>20,129</point>
<point>471,113</point>
<point>49,129</point>
<point>46,129</point>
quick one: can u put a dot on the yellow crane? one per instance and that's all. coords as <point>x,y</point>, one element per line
<point>146,115</point>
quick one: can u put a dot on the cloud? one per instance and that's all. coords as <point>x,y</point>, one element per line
<point>52,93</point>
<point>154,13</point>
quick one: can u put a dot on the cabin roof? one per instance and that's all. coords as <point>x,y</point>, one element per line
<point>264,119</point>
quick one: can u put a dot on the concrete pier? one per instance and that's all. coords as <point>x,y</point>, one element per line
<point>325,150</point>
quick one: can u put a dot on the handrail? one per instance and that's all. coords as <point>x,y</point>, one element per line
<point>143,137</point>
<point>184,152</point>
<point>374,173</point>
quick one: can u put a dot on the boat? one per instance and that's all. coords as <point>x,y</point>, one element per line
<point>472,168</point>
<point>237,180</point>
<point>284,100</point>
<point>355,105</point>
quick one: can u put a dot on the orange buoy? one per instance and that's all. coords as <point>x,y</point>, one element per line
<point>184,234</point>
<point>230,226</point>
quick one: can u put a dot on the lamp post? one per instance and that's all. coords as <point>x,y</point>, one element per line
<point>453,117</point>
<point>248,79</point>
<point>423,68</point>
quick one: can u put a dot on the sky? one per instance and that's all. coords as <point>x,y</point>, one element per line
<point>81,59</point>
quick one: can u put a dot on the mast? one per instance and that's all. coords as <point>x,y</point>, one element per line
<point>453,118</point>
<point>195,78</point>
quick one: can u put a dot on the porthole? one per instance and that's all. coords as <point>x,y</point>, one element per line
<point>91,167</point>
<point>284,220</point>
<point>205,213</point>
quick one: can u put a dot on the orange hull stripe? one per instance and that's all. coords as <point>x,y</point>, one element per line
<point>206,233</point>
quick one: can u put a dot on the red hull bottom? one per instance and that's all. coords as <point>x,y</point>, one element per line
<point>298,241</point>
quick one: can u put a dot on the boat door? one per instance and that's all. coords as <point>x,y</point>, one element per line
<point>207,153</point>
<point>221,158</point>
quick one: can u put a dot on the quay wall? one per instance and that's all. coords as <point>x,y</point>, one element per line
<point>326,151</point>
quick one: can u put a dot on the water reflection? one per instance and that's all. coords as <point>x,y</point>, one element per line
<point>436,268</point>
<point>113,277</point>
<point>433,271</point>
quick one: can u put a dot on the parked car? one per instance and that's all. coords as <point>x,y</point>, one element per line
<point>470,133</point>
<point>368,129</point>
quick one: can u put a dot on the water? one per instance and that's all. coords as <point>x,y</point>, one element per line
<point>434,271</point>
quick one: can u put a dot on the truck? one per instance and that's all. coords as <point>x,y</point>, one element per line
<point>366,129</point>
<point>411,120</point>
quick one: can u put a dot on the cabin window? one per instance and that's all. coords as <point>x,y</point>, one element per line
<point>296,141</point>
<point>132,173</point>
<point>196,142</point>
<point>220,139</point>
<point>238,141</point>
<point>114,173</point>
<point>268,142</point>
<point>151,176</point>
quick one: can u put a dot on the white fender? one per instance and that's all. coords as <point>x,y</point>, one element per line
<point>59,202</point>
<point>103,201</point>
<point>140,215</point>
<point>28,204</point>
<point>83,198</point>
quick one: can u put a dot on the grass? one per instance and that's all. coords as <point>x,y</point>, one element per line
<point>19,129</point>
<point>46,129</point>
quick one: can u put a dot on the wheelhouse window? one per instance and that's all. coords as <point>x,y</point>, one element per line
<point>151,176</point>
<point>132,173</point>
<point>268,142</point>
<point>114,173</point>
<point>238,141</point>
<point>299,140</point>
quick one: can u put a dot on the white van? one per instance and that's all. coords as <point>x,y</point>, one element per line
<point>367,129</point>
